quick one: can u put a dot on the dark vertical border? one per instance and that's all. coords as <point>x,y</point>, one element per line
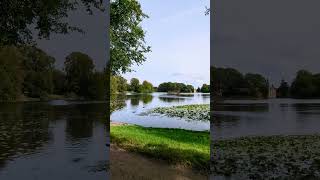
<point>212,16</point>
<point>107,75</point>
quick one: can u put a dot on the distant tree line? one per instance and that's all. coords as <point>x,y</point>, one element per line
<point>120,85</point>
<point>28,71</point>
<point>232,83</point>
<point>175,87</point>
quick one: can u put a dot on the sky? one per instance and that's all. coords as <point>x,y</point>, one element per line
<point>93,42</point>
<point>179,35</point>
<point>271,37</point>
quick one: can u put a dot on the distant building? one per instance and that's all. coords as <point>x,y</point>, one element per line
<point>272,92</point>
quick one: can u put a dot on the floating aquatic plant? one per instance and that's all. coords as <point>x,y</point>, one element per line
<point>199,112</point>
<point>272,157</point>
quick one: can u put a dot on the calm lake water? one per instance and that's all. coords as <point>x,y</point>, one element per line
<point>235,118</point>
<point>55,140</point>
<point>135,105</point>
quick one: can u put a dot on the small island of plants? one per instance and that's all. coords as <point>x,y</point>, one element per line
<point>199,112</point>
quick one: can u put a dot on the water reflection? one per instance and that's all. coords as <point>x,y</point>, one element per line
<point>39,138</point>
<point>117,101</point>
<point>236,118</point>
<point>171,99</point>
<point>135,105</point>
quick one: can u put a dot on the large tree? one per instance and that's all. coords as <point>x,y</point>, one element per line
<point>304,85</point>
<point>134,85</point>
<point>127,37</point>
<point>257,85</point>
<point>59,81</point>
<point>205,88</point>
<point>21,20</point>
<point>118,84</point>
<point>146,87</point>
<point>11,73</point>
<point>38,67</point>
<point>97,86</point>
<point>79,69</point>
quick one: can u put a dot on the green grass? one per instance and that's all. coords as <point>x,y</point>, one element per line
<point>272,157</point>
<point>176,146</point>
<point>199,112</point>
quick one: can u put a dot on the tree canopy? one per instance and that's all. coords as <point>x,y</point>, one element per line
<point>205,88</point>
<point>127,37</point>
<point>11,73</point>
<point>20,20</point>
<point>306,85</point>
<point>175,87</point>
<point>79,69</point>
<point>38,68</point>
<point>233,83</point>
<point>27,71</point>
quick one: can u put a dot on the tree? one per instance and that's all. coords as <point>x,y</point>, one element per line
<point>205,88</point>
<point>146,87</point>
<point>18,18</point>
<point>283,90</point>
<point>190,88</point>
<point>175,87</point>
<point>303,85</point>
<point>258,86</point>
<point>113,85</point>
<point>134,85</point>
<point>122,84</point>
<point>316,78</point>
<point>118,84</point>
<point>97,86</point>
<point>38,68</point>
<point>11,73</point>
<point>198,89</point>
<point>127,44</point>
<point>228,81</point>
<point>79,69</point>
<point>59,81</point>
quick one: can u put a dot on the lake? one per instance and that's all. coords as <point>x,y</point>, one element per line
<point>53,140</point>
<point>235,118</point>
<point>135,105</point>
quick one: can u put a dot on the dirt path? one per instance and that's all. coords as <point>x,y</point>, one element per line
<point>127,165</point>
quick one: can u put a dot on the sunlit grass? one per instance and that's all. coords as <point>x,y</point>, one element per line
<point>176,146</point>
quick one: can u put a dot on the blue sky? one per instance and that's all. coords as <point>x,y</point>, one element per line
<point>179,35</point>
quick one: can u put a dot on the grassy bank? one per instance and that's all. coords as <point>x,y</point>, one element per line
<point>274,157</point>
<point>176,146</point>
<point>198,112</point>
